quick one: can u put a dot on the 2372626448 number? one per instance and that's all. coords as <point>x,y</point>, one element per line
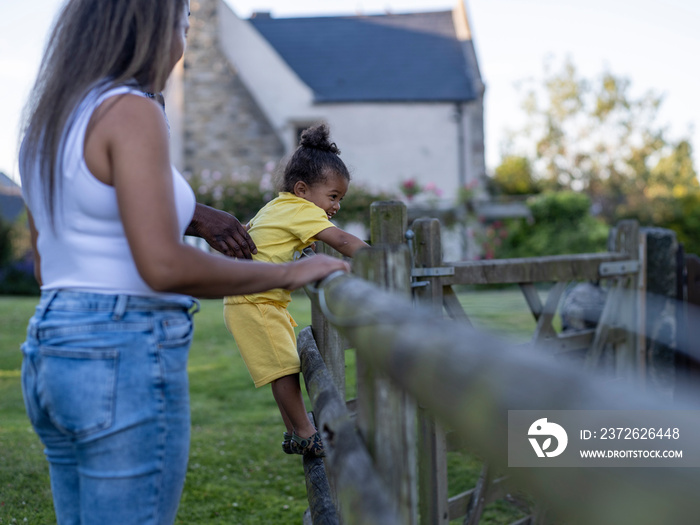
<point>638,433</point>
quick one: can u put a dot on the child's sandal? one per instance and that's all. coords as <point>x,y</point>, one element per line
<point>311,446</point>
<point>287,444</point>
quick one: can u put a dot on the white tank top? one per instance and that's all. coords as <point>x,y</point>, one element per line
<point>88,249</point>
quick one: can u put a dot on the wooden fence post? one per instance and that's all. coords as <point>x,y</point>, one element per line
<point>432,460</point>
<point>329,341</point>
<point>388,222</point>
<point>627,356</point>
<point>624,305</point>
<point>662,311</point>
<point>386,415</point>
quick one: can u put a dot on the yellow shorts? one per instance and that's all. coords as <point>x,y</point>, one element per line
<point>264,333</point>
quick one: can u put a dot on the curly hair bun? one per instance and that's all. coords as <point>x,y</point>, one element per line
<point>318,137</point>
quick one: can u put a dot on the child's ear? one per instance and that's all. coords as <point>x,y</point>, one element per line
<point>300,188</point>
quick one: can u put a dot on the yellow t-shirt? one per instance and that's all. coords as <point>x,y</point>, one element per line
<point>285,225</point>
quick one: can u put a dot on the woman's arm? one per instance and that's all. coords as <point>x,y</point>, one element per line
<point>131,139</point>
<point>346,243</point>
<point>222,231</point>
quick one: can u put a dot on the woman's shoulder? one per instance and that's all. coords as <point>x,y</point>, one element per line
<point>125,105</point>
<point>104,89</point>
<point>105,95</point>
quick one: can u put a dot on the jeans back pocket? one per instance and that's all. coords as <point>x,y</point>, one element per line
<point>76,387</point>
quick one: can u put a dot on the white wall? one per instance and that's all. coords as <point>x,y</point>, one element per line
<point>384,144</point>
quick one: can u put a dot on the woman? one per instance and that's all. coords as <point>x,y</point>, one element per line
<point>104,370</point>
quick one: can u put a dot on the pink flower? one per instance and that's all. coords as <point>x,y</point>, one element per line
<point>410,188</point>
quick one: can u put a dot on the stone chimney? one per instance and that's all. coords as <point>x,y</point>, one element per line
<point>223,129</point>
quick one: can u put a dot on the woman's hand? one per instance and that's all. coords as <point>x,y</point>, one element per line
<point>311,269</point>
<point>222,231</point>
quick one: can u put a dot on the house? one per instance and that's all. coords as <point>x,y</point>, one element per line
<point>402,94</point>
<point>11,202</point>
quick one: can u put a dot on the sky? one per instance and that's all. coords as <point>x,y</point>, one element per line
<point>653,44</point>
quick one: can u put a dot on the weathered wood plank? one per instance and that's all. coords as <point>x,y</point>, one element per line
<point>453,307</point>
<point>458,504</point>
<point>476,505</point>
<point>608,320</point>
<point>427,249</point>
<point>641,330</point>
<point>330,342</point>
<point>662,309</point>
<point>566,342</point>
<point>532,298</point>
<point>544,329</point>
<point>564,268</point>
<point>322,509</point>
<point>524,521</point>
<point>362,498</point>
<point>432,447</point>
<point>388,222</point>
<point>386,414</point>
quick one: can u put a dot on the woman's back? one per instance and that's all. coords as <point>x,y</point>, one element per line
<point>85,247</point>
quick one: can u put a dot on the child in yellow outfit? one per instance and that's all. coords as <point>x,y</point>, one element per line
<point>315,181</point>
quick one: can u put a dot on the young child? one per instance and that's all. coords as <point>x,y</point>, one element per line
<point>315,181</point>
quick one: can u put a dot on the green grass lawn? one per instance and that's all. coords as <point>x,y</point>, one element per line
<point>237,471</point>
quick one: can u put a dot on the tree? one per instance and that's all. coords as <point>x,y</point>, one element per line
<point>514,177</point>
<point>597,137</point>
<point>668,196</point>
<point>583,134</point>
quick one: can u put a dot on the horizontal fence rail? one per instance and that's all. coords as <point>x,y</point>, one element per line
<point>563,268</point>
<point>469,380</point>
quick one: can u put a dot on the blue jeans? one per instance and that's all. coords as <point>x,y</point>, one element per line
<point>104,379</point>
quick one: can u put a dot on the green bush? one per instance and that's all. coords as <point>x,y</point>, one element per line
<point>16,274</point>
<point>561,224</point>
<point>5,243</point>
<point>18,279</point>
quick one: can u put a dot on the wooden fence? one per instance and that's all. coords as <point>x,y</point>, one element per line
<point>418,373</point>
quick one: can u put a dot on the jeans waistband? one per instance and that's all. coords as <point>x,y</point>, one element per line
<point>118,304</point>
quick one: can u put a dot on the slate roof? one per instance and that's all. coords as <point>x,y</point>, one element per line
<point>10,207</point>
<point>7,184</point>
<point>11,202</point>
<point>387,58</point>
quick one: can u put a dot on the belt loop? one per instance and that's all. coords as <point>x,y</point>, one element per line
<point>119,307</point>
<point>45,303</point>
<point>194,307</point>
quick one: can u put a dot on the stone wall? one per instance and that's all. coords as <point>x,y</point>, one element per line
<point>223,128</point>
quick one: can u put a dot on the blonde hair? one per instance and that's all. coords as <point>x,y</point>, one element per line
<point>93,41</point>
